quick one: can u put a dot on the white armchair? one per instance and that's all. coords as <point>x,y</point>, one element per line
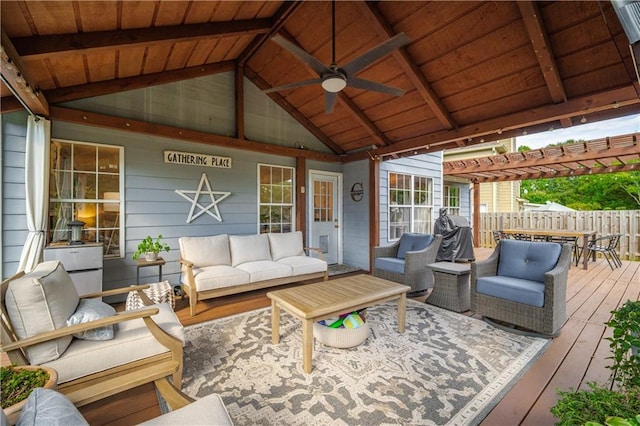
<point>146,345</point>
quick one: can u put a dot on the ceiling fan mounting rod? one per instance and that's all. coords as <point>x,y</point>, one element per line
<point>333,31</point>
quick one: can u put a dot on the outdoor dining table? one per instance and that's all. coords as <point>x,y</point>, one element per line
<point>585,235</point>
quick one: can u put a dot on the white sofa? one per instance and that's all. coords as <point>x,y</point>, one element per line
<point>220,265</point>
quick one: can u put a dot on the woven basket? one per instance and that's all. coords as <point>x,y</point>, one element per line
<point>341,337</point>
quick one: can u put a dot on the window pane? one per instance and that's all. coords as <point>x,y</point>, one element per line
<point>275,198</point>
<point>108,160</point>
<point>84,157</point>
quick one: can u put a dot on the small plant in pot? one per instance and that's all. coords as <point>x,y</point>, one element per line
<point>150,248</point>
<point>617,402</point>
<point>17,383</point>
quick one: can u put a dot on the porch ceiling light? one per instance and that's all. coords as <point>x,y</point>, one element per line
<point>334,83</point>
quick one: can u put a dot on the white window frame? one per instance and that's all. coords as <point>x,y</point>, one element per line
<point>276,203</point>
<point>425,224</point>
<point>448,198</point>
<point>114,203</point>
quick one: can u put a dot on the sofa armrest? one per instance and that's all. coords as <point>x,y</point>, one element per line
<point>315,249</point>
<point>386,251</point>
<point>116,291</point>
<point>418,259</point>
<point>555,280</point>
<point>484,268</point>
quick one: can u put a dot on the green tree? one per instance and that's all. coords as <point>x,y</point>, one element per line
<point>607,191</point>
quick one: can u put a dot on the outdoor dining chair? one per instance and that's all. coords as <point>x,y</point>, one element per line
<point>607,245</point>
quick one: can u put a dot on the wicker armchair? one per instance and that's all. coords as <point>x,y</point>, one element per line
<point>408,266</point>
<point>535,274</point>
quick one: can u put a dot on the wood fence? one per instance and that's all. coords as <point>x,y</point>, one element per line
<point>625,222</point>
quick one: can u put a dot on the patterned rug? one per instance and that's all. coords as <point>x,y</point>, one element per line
<point>445,369</point>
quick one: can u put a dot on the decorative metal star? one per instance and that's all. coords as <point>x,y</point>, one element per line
<point>194,201</point>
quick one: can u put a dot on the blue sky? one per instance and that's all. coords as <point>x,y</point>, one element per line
<point>588,131</point>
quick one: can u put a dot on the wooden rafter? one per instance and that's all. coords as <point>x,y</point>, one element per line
<point>40,47</point>
<point>279,19</point>
<point>607,155</point>
<point>304,121</point>
<point>408,65</point>
<point>540,43</point>
<point>82,91</point>
<point>361,117</point>
<point>19,81</point>
<point>497,128</point>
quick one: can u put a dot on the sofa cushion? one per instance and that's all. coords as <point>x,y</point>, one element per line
<point>391,264</point>
<point>413,242</point>
<point>527,260</point>
<point>514,289</point>
<point>249,248</point>
<point>286,244</point>
<point>132,341</point>
<point>301,265</point>
<point>40,301</point>
<point>206,251</point>
<point>219,276</point>
<point>91,310</point>
<point>208,410</point>
<point>262,270</point>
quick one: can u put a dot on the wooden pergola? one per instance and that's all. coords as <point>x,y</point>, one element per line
<point>606,155</point>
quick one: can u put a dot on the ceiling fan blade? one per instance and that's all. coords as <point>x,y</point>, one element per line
<point>376,53</point>
<point>329,101</point>
<point>317,66</point>
<point>359,83</point>
<point>293,85</point>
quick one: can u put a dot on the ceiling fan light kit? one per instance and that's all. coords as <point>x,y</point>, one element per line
<point>334,83</point>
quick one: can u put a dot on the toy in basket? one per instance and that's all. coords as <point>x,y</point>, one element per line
<point>347,331</point>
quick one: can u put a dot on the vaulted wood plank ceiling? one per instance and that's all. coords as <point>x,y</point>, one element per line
<point>472,71</point>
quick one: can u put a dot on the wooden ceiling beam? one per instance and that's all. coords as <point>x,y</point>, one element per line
<point>159,130</point>
<point>50,46</point>
<point>89,90</point>
<point>361,117</point>
<point>297,115</point>
<point>19,81</point>
<point>546,60</point>
<point>408,65</point>
<point>501,127</point>
<point>278,20</point>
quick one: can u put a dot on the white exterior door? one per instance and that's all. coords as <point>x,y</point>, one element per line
<point>325,214</point>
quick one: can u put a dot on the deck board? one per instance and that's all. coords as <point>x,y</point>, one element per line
<point>576,356</point>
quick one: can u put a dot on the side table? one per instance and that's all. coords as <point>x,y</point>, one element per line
<point>451,286</point>
<point>143,263</point>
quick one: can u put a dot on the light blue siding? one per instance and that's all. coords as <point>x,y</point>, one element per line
<point>356,216</point>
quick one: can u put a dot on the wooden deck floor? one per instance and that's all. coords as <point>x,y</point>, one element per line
<point>574,358</point>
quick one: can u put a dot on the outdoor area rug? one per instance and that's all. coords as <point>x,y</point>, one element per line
<point>446,368</point>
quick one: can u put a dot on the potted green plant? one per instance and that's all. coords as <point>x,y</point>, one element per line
<point>150,248</point>
<point>608,404</point>
<point>17,383</point>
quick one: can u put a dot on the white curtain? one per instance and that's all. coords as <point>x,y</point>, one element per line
<point>36,178</point>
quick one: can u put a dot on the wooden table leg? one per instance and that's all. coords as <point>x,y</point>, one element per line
<point>307,345</point>
<point>275,323</point>
<point>402,312</point>
<point>585,251</point>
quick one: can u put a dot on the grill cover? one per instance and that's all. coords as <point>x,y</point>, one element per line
<point>457,241</point>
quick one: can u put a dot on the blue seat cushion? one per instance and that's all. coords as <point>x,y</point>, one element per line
<point>391,264</point>
<point>413,242</point>
<point>514,289</point>
<point>527,260</point>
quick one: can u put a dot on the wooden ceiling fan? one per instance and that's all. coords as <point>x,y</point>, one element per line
<point>334,78</point>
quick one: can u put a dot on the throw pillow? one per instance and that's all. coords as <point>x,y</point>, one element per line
<point>40,301</point>
<point>249,248</point>
<point>91,310</point>
<point>46,406</point>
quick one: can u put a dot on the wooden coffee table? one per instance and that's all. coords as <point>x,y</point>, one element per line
<point>315,302</point>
